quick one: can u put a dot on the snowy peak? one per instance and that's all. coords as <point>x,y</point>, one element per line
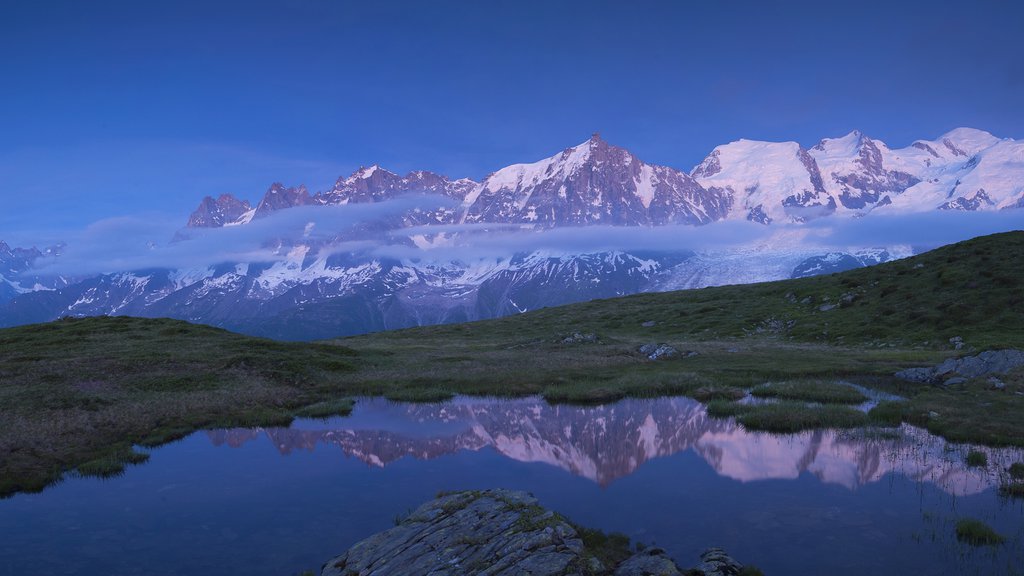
<point>592,183</point>
<point>597,183</point>
<point>766,181</point>
<point>215,213</point>
<point>967,141</point>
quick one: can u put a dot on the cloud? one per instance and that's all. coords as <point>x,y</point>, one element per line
<point>923,230</point>
<point>144,242</point>
<point>367,230</point>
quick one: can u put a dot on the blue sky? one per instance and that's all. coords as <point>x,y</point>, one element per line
<point>136,108</point>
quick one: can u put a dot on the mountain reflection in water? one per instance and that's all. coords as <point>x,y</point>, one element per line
<point>605,443</point>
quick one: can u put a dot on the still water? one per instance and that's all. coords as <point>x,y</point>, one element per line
<point>283,500</point>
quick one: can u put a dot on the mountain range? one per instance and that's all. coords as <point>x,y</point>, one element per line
<point>339,281</point>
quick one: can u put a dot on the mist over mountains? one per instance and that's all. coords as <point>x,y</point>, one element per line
<point>380,250</point>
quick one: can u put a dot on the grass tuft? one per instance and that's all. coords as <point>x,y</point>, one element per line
<point>1016,471</point>
<point>327,409</point>
<point>821,391</point>
<point>788,417</point>
<point>113,463</point>
<point>1012,489</point>
<point>976,459</point>
<point>977,533</point>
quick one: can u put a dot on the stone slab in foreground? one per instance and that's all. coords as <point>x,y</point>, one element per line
<point>498,533</point>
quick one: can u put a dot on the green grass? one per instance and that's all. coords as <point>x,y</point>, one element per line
<point>887,413</point>
<point>811,391</point>
<point>1012,489</point>
<point>788,417</point>
<point>112,463</point>
<point>976,459</point>
<point>610,548</point>
<point>77,391</point>
<point>327,409</point>
<point>1016,470</point>
<point>977,533</point>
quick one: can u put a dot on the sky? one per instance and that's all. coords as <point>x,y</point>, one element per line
<point>137,110</point>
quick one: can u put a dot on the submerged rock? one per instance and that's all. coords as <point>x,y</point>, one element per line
<point>498,533</point>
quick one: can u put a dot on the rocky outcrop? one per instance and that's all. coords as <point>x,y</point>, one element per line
<point>496,532</point>
<point>212,213</point>
<point>956,370</point>
<point>499,533</point>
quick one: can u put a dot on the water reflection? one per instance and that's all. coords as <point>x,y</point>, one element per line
<point>606,443</point>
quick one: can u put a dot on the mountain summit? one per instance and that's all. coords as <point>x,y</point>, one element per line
<point>598,183</point>
<point>315,281</point>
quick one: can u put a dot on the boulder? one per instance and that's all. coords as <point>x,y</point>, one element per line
<point>648,562</point>
<point>495,532</point>
<point>988,362</point>
<point>715,562</point>
<point>498,533</point>
<point>655,351</point>
<point>580,338</point>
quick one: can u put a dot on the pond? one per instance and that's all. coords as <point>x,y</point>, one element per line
<point>278,501</point>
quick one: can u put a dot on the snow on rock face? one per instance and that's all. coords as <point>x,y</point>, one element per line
<point>855,173</point>
<point>593,183</point>
<point>964,169</point>
<point>765,182</point>
<point>768,181</point>
<point>375,184</point>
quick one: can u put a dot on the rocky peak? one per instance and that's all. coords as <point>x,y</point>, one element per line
<point>375,184</point>
<point>709,167</point>
<point>279,197</point>
<point>592,183</point>
<point>213,213</point>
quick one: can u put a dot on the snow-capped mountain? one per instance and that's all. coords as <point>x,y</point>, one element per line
<point>339,282</point>
<point>964,169</point>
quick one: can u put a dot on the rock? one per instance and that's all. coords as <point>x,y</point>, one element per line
<point>847,298</point>
<point>996,383</point>
<point>648,562</point>
<point>649,324</point>
<point>807,300</point>
<point>790,297</point>
<point>988,362</point>
<point>500,531</point>
<point>826,307</point>
<point>925,375</point>
<point>933,414</point>
<point>579,338</point>
<point>655,351</point>
<point>715,562</point>
<point>774,326</point>
<point>956,342</point>
<point>954,381</point>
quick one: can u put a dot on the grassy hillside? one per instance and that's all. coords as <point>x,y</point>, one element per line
<point>82,391</point>
<point>78,394</point>
<point>973,289</point>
